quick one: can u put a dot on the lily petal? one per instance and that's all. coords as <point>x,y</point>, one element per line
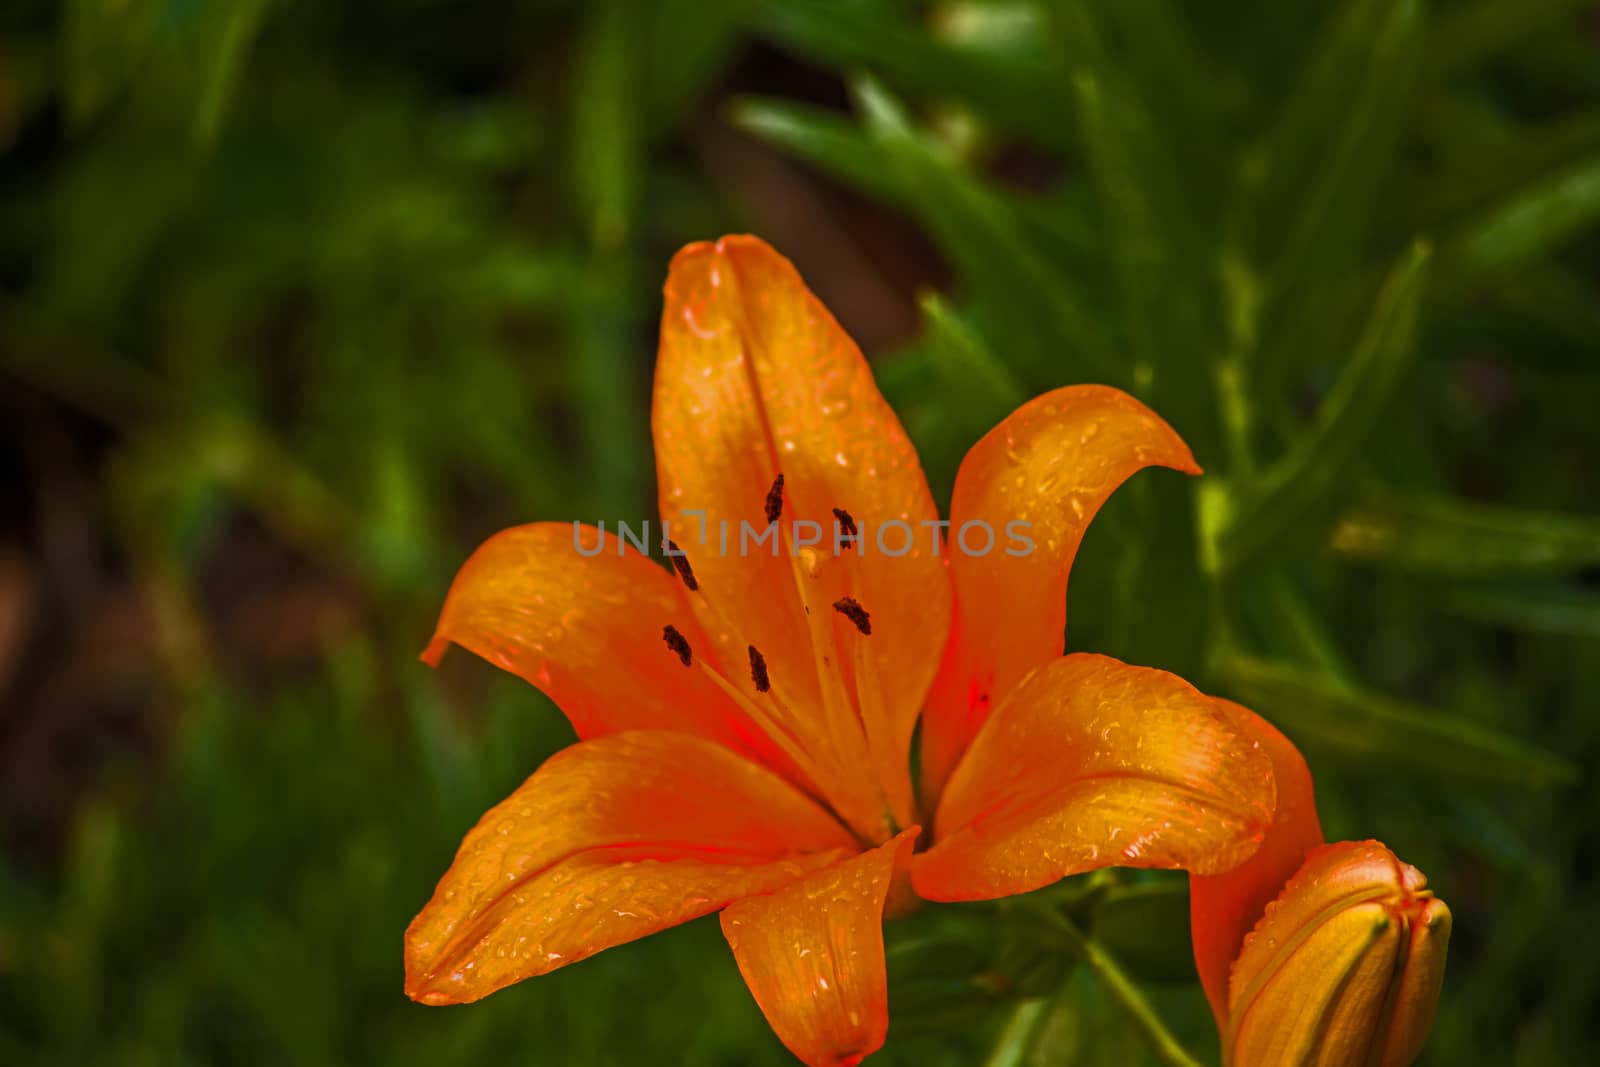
<point>812,955</point>
<point>1092,763</point>
<point>1049,465</point>
<point>1224,907</point>
<point>578,613</point>
<point>756,379</point>
<point>610,840</point>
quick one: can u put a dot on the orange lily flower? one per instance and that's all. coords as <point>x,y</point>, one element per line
<point>1312,953</point>
<point>745,727</point>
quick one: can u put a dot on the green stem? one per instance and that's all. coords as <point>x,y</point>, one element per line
<point>1020,1034</point>
<point>1121,988</point>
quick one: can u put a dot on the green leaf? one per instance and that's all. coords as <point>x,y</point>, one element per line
<point>1552,609</point>
<point>1472,32</point>
<point>1301,489</point>
<point>689,43</point>
<point>1186,91</point>
<point>222,64</point>
<point>102,48</point>
<point>965,365</point>
<point>839,146</point>
<point>1379,733</point>
<point>1120,1006</point>
<point>1146,926</point>
<point>1003,81</point>
<point>605,141</point>
<point>1152,232</point>
<point>1520,230</point>
<point>1037,313</point>
<point>941,970</point>
<point>1447,536</point>
<point>1020,1034</point>
<point>1558,300</point>
<point>1321,164</point>
<point>822,137</point>
<point>1485,160</point>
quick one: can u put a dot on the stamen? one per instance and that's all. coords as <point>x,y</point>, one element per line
<point>851,609</point>
<point>680,563</point>
<point>842,743</point>
<point>758,671</point>
<point>847,526</point>
<point>773,718</point>
<point>889,750</point>
<point>775,500</point>
<point>678,643</point>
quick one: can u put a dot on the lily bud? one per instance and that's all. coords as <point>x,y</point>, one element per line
<point>1344,967</point>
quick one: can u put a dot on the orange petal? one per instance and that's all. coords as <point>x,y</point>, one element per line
<point>610,840</point>
<point>812,955</point>
<point>1416,992</point>
<point>1223,907</point>
<point>1048,467</point>
<point>754,379</point>
<point>1093,763</point>
<point>579,614</point>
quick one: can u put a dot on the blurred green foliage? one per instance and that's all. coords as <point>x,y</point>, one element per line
<point>364,282</point>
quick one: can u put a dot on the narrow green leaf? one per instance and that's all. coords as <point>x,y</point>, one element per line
<point>1146,926</point>
<point>823,138</point>
<point>1019,1034</point>
<point>1037,313</point>
<point>1382,733</point>
<point>1525,227</point>
<point>1557,299</point>
<point>840,147</point>
<point>965,365</point>
<point>1154,237</point>
<point>1448,536</point>
<point>1472,32</point>
<point>1333,141</point>
<point>689,43</point>
<point>102,47</point>
<point>1297,628</point>
<point>1128,998</point>
<point>1485,159</point>
<point>1552,609</point>
<point>605,140</point>
<point>1300,489</point>
<point>1187,94</point>
<point>224,60</point>
<point>1004,84</point>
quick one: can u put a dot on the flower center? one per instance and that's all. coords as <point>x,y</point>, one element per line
<point>831,744</point>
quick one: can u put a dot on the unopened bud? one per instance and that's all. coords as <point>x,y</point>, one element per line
<point>1344,967</point>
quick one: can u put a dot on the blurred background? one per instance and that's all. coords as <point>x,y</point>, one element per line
<point>299,301</point>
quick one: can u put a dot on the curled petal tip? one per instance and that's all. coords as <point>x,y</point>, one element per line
<point>435,651</point>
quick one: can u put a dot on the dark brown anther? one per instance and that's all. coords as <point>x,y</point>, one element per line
<point>850,609</point>
<point>775,500</point>
<point>758,671</point>
<point>678,643</point>
<point>680,563</point>
<point>847,526</point>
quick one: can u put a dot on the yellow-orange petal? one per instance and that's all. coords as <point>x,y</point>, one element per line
<point>1416,992</point>
<point>1037,480</point>
<point>1344,967</point>
<point>1093,763</point>
<point>812,955</point>
<point>610,840</point>
<point>579,614</point>
<point>1223,907</point>
<point>754,379</point>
